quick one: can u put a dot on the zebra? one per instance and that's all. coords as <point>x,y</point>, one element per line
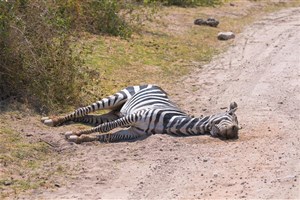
<point>144,110</point>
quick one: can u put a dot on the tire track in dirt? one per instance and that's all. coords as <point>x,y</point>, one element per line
<point>261,72</point>
<point>263,77</point>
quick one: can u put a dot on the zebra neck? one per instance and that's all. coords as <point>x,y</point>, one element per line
<point>189,126</point>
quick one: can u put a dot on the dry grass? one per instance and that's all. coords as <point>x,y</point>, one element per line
<point>19,161</point>
<point>167,48</point>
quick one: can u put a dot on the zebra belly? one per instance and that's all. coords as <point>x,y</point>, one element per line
<point>156,121</point>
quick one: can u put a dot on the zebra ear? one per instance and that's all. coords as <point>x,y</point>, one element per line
<point>232,105</point>
<point>232,108</point>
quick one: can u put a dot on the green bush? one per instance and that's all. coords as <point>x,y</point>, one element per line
<point>96,16</point>
<point>37,61</point>
<point>104,16</point>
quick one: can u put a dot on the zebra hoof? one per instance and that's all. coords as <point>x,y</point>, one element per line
<point>73,138</point>
<point>43,119</point>
<point>68,134</point>
<point>49,122</point>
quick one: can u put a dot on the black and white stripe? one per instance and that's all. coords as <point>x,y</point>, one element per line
<point>146,110</point>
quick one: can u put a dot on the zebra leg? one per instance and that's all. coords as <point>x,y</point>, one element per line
<point>95,120</point>
<point>122,135</point>
<point>126,121</point>
<point>113,102</point>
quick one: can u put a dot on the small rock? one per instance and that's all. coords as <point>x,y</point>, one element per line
<point>280,102</point>
<point>209,22</point>
<point>56,185</point>
<point>200,22</point>
<point>7,182</point>
<point>212,22</point>
<point>231,4</point>
<point>226,35</point>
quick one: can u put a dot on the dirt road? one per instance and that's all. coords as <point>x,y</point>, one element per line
<point>261,72</point>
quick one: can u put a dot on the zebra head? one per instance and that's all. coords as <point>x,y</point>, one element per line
<point>225,125</point>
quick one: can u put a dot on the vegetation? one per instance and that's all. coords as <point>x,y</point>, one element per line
<point>39,62</point>
<point>19,161</point>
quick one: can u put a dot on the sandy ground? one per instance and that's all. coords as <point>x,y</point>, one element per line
<point>261,72</point>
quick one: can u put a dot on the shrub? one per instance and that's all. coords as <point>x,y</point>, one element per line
<point>37,61</point>
<point>96,16</point>
<point>105,16</point>
<point>37,58</point>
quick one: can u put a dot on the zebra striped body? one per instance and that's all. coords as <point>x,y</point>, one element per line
<point>146,110</point>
